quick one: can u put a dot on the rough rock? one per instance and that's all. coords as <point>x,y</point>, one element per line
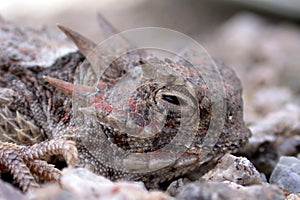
<point>80,183</point>
<point>228,190</point>
<point>176,186</point>
<point>274,136</point>
<point>287,174</point>
<point>234,169</point>
<point>293,197</point>
<point>51,192</point>
<point>7,191</point>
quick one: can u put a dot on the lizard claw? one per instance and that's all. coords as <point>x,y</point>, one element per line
<point>24,161</point>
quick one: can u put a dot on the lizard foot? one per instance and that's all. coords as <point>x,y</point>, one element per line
<point>23,162</point>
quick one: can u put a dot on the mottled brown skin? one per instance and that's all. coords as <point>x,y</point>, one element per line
<point>33,111</point>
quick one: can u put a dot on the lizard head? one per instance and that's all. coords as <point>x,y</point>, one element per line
<point>142,115</point>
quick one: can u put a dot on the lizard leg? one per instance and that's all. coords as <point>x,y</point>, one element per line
<point>42,169</point>
<point>10,160</point>
<point>52,147</point>
<point>24,161</point>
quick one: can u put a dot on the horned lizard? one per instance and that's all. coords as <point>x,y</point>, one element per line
<point>41,111</point>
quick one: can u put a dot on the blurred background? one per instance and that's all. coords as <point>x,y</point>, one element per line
<point>260,39</point>
<point>193,17</point>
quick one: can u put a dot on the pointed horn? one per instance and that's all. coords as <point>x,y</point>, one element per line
<point>121,44</point>
<point>86,47</point>
<point>68,88</point>
<point>83,44</point>
<point>106,27</point>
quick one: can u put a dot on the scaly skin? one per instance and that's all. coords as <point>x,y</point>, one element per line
<point>36,110</point>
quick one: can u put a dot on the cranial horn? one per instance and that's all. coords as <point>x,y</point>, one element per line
<point>68,88</point>
<point>119,42</point>
<point>85,46</point>
<point>106,27</point>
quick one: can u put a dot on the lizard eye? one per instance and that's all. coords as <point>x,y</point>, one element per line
<point>171,99</point>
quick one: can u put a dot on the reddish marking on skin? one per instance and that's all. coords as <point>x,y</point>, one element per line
<point>115,190</point>
<point>104,106</point>
<point>102,85</point>
<point>25,51</point>
<point>131,104</point>
<point>97,99</point>
<point>134,105</point>
<point>203,87</point>
<point>201,132</point>
<point>65,118</point>
<point>155,126</point>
